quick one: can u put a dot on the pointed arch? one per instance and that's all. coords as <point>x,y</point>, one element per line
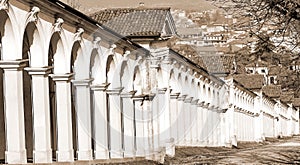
<point>8,32</point>
<point>95,67</point>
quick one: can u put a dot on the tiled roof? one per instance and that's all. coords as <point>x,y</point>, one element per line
<point>272,91</point>
<point>296,102</point>
<point>134,21</point>
<point>253,81</point>
<point>287,97</point>
<point>274,70</point>
<point>258,63</point>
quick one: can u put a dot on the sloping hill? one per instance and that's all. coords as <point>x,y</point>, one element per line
<point>89,6</point>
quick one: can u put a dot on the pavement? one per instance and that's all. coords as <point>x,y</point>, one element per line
<point>272,151</point>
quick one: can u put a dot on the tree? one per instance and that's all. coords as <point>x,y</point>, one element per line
<point>279,18</point>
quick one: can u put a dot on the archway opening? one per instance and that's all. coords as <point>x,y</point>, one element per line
<point>76,52</point>
<point>55,42</point>
<point>28,38</point>
<point>110,70</point>
<point>94,74</point>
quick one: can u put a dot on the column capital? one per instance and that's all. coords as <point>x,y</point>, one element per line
<point>174,95</point>
<point>100,87</point>
<point>195,102</point>
<point>13,64</point>
<point>43,71</point>
<point>84,82</point>
<point>114,91</point>
<point>144,97</point>
<point>162,90</point>
<point>62,77</point>
<point>182,97</point>
<point>129,94</point>
<point>188,100</point>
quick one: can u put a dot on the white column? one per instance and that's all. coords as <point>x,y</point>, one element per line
<point>41,114</point>
<point>100,121</point>
<point>165,122</point>
<point>129,124</point>
<point>14,111</point>
<point>200,123</point>
<point>194,122</point>
<point>187,126</point>
<point>141,124</point>
<point>83,117</point>
<point>65,151</point>
<point>174,116</point>
<point>115,110</point>
<point>180,126</point>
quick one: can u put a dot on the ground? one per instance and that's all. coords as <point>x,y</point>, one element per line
<point>272,151</point>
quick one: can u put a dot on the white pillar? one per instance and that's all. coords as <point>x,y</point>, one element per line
<point>141,124</point>
<point>100,125</point>
<point>180,126</point>
<point>187,126</point>
<point>174,120</point>
<point>14,111</point>
<point>129,124</point>
<point>174,116</point>
<point>115,110</point>
<point>83,117</point>
<point>65,152</point>
<point>41,114</point>
<point>194,122</point>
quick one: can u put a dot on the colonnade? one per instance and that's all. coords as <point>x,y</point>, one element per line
<point>72,92</point>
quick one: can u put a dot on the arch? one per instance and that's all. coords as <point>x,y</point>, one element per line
<point>180,83</point>
<point>137,81</point>
<point>56,56</point>
<point>173,83</point>
<point>111,76</point>
<point>95,67</point>
<point>8,32</point>
<point>33,44</point>
<point>126,80</point>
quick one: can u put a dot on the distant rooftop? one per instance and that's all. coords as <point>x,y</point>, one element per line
<point>254,81</point>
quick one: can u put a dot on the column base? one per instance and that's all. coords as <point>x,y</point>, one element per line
<point>128,154</point>
<point>17,157</point>
<point>116,154</point>
<point>85,155</point>
<point>42,156</point>
<point>101,154</point>
<point>65,156</point>
<point>170,149</point>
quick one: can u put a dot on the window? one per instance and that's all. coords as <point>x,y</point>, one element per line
<point>263,71</point>
<point>272,80</point>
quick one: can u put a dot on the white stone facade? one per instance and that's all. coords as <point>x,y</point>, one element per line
<point>74,90</point>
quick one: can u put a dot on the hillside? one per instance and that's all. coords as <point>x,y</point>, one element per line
<point>89,6</point>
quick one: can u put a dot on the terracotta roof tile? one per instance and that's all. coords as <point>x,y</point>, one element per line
<point>296,102</point>
<point>272,91</point>
<point>287,97</point>
<point>253,81</point>
<point>274,70</point>
<point>134,21</point>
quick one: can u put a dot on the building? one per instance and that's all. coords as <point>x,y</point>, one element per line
<point>74,89</point>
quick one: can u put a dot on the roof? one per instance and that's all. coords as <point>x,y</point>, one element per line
<point>135,21</point>
<point>296,102</point>
<point>253,81</point>
<point>272,90</point>
<point>287,97</point>
<point>274,70</point>
<point>258,63</point>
